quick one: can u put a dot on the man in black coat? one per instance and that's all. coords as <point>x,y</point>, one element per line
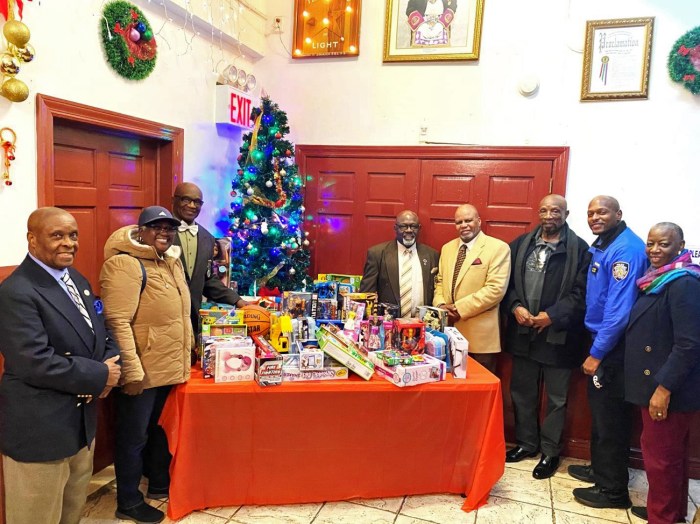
<point>197,252</point>
<point>545,306</point>
<point>59,357</point>
<point>388,261</point>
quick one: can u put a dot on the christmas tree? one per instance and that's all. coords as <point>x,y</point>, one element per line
<point>269,247</point>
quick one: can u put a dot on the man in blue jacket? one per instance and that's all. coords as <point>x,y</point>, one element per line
<point>618,260</point>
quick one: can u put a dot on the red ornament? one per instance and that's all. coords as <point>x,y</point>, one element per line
<point>131,60</point>
<point>117,27</point>
<point>8,182</point>
<point>240,171</point>
<point>278,135</point>
<point>134,15</point>
<point>682,50</point>
<point>288,152</point>
<point>239,157</point>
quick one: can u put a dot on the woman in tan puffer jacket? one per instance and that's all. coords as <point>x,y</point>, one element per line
<point>152,325</point>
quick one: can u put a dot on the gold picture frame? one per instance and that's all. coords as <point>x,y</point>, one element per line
<point>616,59</point>
<point>326,29</point>
<point>428,30</point>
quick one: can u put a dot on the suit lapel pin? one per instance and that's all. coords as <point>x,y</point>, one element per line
<point>86,293</point>
<point>425,261</point>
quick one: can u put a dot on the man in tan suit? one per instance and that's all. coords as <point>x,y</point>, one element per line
<point>472,293</point>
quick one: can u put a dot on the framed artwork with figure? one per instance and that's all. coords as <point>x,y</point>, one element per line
<point>420,30</point>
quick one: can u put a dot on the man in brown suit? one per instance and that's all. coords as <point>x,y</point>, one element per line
<point>472,280</point>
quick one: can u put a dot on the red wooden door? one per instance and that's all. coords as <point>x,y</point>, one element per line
<point>103,180</point>
<point>354,203</point>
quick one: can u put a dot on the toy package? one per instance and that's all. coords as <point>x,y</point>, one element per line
<point>326,289</point>
<point>344,350</point>
<point>299,304</point>
<point>409,335</point>
<point>350,301</point>
<point>329,370</point>
<point>208,348</point>
<point>458,348</point>
<point>311,358</point>
<point>268,363</point>
<point>326,309</point>
<point>407,370</point>
<point>371,333</point>
<point>436,343</point>
<point>352,280</point>
<point>303,329</point>
<point>235,360</point>
<point>433,317</point>
<point>280,332</point>
<point>388,311</point>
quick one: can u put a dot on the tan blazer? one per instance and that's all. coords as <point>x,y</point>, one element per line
<point>481,285</point>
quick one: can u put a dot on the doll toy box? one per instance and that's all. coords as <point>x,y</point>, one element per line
<point>268,363</point>
<point>409,336</point>
<point>235,360</point>
<point>433,317</point>
<point>458,349</point>
<point>339,347</point>
<point>422,370</point>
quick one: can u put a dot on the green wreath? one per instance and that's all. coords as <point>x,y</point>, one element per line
<point>684,61</point>
<point>127,39</point>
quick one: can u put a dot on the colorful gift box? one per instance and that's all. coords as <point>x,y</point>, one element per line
<point>268,363</point>
<point>353,280</point>
<point>344,350</point>
<point>299,304</point>
<point>409,335</point>
<point>234,362</point>
<point>311,358</point>
<point>459,349</point>
<point>430,370</point>
<point>433,317</point>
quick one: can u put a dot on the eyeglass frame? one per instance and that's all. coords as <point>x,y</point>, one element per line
<point>187,201</point>
<point>406,227</point>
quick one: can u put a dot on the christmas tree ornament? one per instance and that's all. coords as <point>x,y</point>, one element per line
<point>306,243</point>
<point>26,53</point>
<point>9,64</point>
<point>250,191</point>
<point>278,135</point>
<point>283,172</point>
<point>15,31</point>
<point>269,183</point>
<point>288,153</point>
<point>8,138</point>
<point>292,271</point>
<point>263,228</point>
<point>14,90</point>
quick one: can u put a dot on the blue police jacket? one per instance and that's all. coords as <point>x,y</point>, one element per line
<point>611,289</point>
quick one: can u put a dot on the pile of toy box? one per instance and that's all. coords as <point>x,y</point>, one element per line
<point>324,335</point>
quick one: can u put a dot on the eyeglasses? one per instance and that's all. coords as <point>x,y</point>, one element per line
<point>187,201</point>
<point>406,227</point>
<point>162,229</point>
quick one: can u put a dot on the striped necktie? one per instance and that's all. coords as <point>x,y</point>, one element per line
<point>458,265</point>
<point>406,283</point>
<point>77,299</point>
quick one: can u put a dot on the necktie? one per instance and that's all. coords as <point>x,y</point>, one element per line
<point>458,265</point>
<point>77,299</point>
<point>406,283</point>
<point>192,228</point>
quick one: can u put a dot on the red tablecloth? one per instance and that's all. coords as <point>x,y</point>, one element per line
<point>235,444</point>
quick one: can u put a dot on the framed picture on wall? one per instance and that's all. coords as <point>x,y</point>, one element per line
<point>616,59</point>
<point>418,30</point>
<point>326,28</point>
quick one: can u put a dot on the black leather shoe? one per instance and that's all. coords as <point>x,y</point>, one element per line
<point>583,473</point>
<point>142,514</point>
<point>546,467</point>
<point>517,454</point>
<point>597,497</point>
<point>157,493</point>
<point>641,512</point>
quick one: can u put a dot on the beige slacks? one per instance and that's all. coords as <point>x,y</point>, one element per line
<point>47,492</point>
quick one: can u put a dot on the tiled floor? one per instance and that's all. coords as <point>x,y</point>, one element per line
<point>517,498</point>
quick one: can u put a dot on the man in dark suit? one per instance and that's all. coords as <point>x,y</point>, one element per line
<point>197,252</point>
<point>401,271</point>
<point>58,357</point>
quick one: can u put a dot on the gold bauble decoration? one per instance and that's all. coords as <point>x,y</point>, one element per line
<point>16,33</point>
<point>26,53</point>
<point>14,90</point>
<point>9,65</point>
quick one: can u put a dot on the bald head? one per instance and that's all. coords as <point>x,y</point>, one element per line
<point>553,214</point>
<point>554,200</point>
<point>187,202</point>
<point>407,227</point>
<point>604,214</point>
<point>52,237</point>
<point>467,222</point>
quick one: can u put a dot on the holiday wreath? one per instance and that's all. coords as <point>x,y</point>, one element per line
<point>684,61</point>
<point>128,40</point>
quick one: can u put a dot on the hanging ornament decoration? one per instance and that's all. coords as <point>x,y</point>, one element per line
<point>127,40</point>
<point>18,52</point>
<point>684,61</point>
<point>7,142</point>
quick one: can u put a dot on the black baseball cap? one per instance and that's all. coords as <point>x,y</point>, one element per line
<point>155,214</point>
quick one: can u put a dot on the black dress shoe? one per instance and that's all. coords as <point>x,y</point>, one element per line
<point>157,493</point>
<point>142,514</point>
<point>517,454</point>
<point>546,467</point>
<point>597,497</point>
<point>641,512</point>
<point>583,473</point>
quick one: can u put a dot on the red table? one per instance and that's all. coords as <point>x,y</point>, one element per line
<point>236,444</point>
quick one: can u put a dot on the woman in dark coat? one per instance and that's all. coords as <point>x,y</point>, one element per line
<point>662,369</point>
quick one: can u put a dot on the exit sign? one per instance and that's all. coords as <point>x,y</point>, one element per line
<point>233,107</point>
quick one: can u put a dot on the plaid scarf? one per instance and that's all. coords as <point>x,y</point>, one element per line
<point>656,279</point>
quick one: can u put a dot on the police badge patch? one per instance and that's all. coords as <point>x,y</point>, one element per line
<point>620,270</point>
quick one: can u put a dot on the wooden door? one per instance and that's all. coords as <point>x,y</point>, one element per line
<point>354,203</point>
<point>103,180</point>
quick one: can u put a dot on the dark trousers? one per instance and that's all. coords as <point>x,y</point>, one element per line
<point>488,360</point>
<point>611,430</point>
<point>141,444</point>
<point>665,446</point>
<point>525,394</point>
